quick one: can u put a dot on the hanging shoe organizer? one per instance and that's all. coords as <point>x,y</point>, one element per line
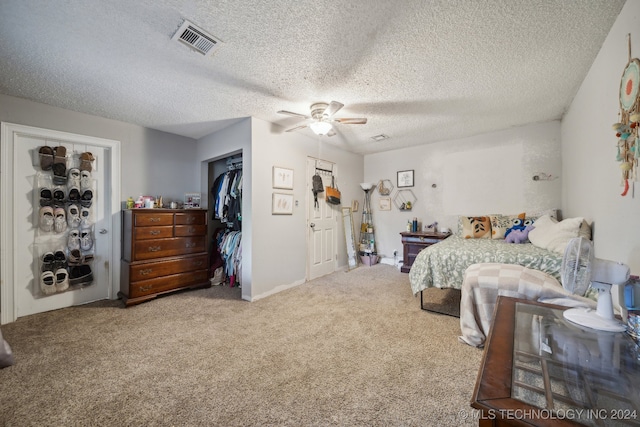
<point>64,193</point>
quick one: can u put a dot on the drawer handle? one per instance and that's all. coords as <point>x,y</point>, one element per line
<point>154,219</point>
<point>422,238</point>
<point>154,248</point>
<point>198,263</point>
<point>191,219</point>
<point>191,229</point>
<point>145,288</point>
<point>145,272</point>
<point>190,245</point>
<point>154,232</point>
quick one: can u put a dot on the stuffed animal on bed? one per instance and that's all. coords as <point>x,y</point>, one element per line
<point>519,236</point>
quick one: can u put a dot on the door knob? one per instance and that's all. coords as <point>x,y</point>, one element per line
<point>103,231</point>
<point>312,225</point>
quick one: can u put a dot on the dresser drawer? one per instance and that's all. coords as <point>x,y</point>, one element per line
<point>190,230</point>
<point>421,239</point>
<point>160,232</point>
<point>152,270</point>
<point>166,283</point>
<point>189,218</point>
<point>159,248</point>
<point>153,219</point>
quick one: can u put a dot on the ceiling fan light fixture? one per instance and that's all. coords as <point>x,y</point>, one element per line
<point>320,127</point>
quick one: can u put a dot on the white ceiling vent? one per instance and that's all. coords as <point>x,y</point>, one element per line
<point>196,38</point>
<point>380,137</point>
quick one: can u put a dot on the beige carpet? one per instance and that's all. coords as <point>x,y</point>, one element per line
<point>349,349</point>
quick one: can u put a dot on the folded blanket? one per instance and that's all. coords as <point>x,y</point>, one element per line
<point>6,356</point>
<point>483,283</point>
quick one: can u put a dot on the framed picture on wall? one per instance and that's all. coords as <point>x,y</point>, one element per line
<point>385,203</point>
<point>405,178</point>
<point>282,178</point>
<point>282,204</point>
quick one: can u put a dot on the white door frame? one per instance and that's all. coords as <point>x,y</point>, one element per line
<point>8,154</point>
<point>309,200</point>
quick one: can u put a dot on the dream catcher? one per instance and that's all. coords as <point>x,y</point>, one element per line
<point>628,147</point>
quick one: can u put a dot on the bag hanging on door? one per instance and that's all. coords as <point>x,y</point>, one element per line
<point>317,187</point>
<point>333,194</point>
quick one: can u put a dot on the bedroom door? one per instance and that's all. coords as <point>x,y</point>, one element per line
<point>23,240</point>
<point>322,225</point>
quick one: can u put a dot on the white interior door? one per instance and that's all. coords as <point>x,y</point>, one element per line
<point>322,248</point>
<point>25,242</point>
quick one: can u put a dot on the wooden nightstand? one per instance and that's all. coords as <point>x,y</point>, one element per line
<point>412,243</point>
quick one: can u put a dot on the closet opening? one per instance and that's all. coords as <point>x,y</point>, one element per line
<point>225,223</point>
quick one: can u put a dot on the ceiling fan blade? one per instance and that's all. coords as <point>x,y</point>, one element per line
<point>331,132</point>
<point>289,113</point>
<point>333,108</point>
<point>296,128</point>
<point>351,121</point>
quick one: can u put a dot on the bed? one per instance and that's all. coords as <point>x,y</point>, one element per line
<point>485,239</point>
<point>487,266</point>
<point>443,265</point>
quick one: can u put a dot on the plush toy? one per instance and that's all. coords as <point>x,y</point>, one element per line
<point>519,236</point>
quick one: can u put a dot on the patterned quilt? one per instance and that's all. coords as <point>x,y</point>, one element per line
<point>443,265</point>
<point>483,284</point>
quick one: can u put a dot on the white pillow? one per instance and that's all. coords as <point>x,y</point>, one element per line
<point>552,235</point>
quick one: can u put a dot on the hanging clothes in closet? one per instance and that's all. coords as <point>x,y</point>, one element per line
<point>227,193</point>
<point>231,252</point>
<point>226,259</point>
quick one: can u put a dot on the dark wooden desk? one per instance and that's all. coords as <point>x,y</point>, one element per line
<point>560,367</point>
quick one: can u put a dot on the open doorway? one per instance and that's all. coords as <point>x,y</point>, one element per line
<point>225,179</point>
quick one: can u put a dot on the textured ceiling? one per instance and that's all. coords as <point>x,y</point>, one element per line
<point>420,71</point>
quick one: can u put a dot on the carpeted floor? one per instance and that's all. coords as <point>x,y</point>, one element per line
<point>348,349</point>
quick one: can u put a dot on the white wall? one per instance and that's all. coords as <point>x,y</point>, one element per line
<point>280,241</point>
<point>233,139</point>
<point>591,175</point>
<point>467,187</point>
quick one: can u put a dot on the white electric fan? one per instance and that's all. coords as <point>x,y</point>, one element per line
<point>579,269</point>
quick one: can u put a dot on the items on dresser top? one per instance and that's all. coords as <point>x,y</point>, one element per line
<point>163,251</point>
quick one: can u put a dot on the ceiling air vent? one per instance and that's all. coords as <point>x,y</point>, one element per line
<point>380,137</point>
<point>196,38</point>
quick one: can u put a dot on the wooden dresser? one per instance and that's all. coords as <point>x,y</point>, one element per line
<point>163,250</point>
<point>414,242</point>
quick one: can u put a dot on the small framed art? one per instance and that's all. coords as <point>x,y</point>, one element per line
<point>282,178</point>
<point>385,203</point>
<point>405,179</point>
<point>282,204</point>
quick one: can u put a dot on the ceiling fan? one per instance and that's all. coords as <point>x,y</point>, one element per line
<point>322,115</point>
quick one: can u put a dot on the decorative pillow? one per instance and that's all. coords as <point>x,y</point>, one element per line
<point>476,227</point>
<point>500,224</point>
<point>552,235</point>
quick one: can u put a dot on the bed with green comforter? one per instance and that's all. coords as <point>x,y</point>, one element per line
<point>443,265</point>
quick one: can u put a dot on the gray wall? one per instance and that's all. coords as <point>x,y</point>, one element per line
<point>280,241</point>
<point>153,162</point>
